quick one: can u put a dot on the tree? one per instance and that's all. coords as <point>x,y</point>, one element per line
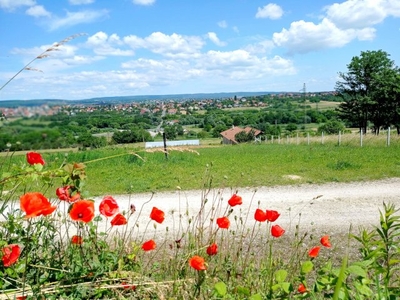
<point>365,90</point>
<point>331,127</point>
<point>243,136</point>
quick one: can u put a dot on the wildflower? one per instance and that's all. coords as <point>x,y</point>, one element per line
<point>223,223</point>
<point>133,208</point>
<point>64,193</point>
<point>76,240</point>
<point>277,231</point>
<point>119,219</point>
<point>272,215</point>
<point>325,241</point>
<point>34,158</point>
<point>302,289</point>
<point>108,206</point>
<point>128,286</point>
<point>260,215</point>
<point>157,215</point>
<point>149,245</point>
<point>35,204</point>
<point>11,254</point>
<point>197,263</point>
<point>212,249</point>
<point>82,210</point>
<point>235,200</point>
<point>314,251</point>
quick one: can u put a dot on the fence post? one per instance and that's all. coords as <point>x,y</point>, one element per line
<point>322,138</point>
<point>339,138</point>
<point>279,139</point>
<point>308,138</point>
<point>388,137</point>
<point>272,139</point>
<point>266,139</point>
<point>165,145</point>
<point>361,137</point>
<point>297,138</point>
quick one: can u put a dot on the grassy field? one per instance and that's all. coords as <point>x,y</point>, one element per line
<point>132,170</point>
<point>254,264</point>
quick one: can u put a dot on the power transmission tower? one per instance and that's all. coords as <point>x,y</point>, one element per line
<point>304,104</point>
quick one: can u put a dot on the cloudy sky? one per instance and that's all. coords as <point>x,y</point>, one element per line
<point>144,47</point>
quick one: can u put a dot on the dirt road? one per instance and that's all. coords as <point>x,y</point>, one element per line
<point>331,207</point>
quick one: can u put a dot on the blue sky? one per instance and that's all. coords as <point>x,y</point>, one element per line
<point>148,47</point>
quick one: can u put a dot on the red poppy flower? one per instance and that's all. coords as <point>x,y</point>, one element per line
<point>197,263</point>
<point>302,288</point>
<point>260,215</point>
<point>82,210</point>
<point>314,252</point>
<point>325,241</point>
<point>64,193</point>
<point>212,249</point>
<point>149,245</point>
<point>223,223</point>
<point>272,215</point>
<point>277,231</point>
<point>34,158</point>
<point>157,215</point>
<point>76,240</point>
<point>21,297</point>
<point>35,204</point>
<point>11,254</point>
<point>108,206</point>
<point>119,219</point>
<point>235,200</point>
<point>128,286</point>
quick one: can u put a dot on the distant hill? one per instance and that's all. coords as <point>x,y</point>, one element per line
<point>127,99</point>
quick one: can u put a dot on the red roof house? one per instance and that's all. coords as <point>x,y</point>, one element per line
<point>228,136</point>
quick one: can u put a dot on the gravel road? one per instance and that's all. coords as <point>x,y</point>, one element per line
<point>330,207</point>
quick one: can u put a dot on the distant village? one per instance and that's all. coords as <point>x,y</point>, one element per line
<point>182,106</point>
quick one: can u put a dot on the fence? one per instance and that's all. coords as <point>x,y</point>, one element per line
<point>385,138</point>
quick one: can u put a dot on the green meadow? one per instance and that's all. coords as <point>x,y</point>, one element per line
<point>133,170</point>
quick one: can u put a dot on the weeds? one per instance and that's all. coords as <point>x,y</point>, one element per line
<point>69,247</point>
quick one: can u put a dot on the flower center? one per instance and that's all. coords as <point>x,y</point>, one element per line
<point>80,215</point>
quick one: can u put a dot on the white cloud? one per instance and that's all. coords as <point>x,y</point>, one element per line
<point>222,24</point>
<point>143,2</point>
<point>10,5</point>
<point>80,2</point>
<point>214,38</point>
<point>74,18</point>
<point>303,37</point>
<point>264,46</point>
<point>357,13</point>
<point>103,44</point>
<point>173,45</point>
<point>38,11</point>
<point>271,11</point>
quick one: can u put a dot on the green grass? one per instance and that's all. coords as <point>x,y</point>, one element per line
<point>232,166</point>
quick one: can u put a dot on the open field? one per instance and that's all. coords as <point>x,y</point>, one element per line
<point>121,170</point>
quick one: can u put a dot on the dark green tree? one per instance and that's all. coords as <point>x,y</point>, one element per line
<point>364,90</point>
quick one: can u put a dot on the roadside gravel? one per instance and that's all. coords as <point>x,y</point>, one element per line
<point>329,208</point>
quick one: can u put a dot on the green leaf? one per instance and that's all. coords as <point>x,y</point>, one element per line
<point>307,267</point>
<point>280,275</point>
<point>256,297</point>
<point>286,287</point>
<point>220,288</point>
<point>357,270</point>
<point>242,290</point>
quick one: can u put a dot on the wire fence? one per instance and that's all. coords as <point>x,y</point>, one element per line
<point>385,139</point>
